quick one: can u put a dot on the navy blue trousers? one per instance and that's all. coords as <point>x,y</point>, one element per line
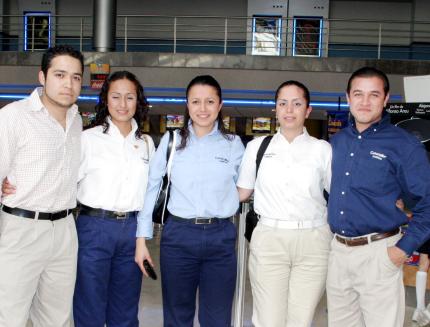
<point>108,281</point>
<point>199,257</point>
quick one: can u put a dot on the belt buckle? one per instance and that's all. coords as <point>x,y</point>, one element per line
<point>204,221</point>
<point>120,215</point>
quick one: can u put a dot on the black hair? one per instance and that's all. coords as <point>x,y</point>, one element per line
<point>102,111</point>
<point>301,86</point>
<point>202,80</point>
<point>59,50</point>
<point>369,72</point>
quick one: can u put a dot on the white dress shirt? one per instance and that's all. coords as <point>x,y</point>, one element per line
<point>38,156</point>
<point>291,177</point>
<point>114,169</point>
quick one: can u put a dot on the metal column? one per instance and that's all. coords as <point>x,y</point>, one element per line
<point>242,253</point>
<point>104,25</point>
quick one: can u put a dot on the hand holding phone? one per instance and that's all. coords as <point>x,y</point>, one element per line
<point>149,270</point>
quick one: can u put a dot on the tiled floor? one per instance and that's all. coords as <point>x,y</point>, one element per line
<point>150,313</point>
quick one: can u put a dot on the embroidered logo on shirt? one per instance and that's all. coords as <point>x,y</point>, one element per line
<point>377,155</point>
<point>145,160</point>
<point>221,159</point>
<point>269,155</point>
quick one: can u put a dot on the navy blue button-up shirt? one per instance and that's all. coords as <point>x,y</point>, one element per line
<point>370,171</point>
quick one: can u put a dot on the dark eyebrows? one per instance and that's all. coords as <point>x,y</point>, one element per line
<point>295,99</point>
<point>361,91</point>
<point>65,72</point>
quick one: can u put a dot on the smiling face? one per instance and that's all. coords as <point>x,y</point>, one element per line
<point>204,105</point>
<point>292,109</point>
<point>366,99</point>
<point>122,101</point>
<point>62,83</point>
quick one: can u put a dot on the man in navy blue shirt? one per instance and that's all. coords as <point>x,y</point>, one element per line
<point>374,164</point>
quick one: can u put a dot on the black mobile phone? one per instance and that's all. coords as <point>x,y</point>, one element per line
<point>150,271</point>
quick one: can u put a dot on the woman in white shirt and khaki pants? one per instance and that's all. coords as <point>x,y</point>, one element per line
<point>290,246</point>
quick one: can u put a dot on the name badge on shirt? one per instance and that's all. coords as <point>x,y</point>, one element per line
<point>377,155</point>
<point>222,160</point>
<point>269,155</point>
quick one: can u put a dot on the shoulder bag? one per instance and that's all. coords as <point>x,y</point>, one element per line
<point>160,207</point>
<point>252,217</point>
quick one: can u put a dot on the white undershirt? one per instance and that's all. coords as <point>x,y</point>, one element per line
<point>114,169</point>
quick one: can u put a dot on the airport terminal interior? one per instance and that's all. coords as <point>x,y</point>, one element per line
<point>250,47</point>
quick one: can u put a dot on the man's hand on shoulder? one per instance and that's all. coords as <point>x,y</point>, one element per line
<point>396,255</point>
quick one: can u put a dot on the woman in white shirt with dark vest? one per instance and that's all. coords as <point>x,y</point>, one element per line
<point>112,184</point>
<point>290,246</point>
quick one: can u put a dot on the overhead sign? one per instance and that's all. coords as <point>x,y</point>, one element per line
<point>98,74</point>
<point>417,109</point>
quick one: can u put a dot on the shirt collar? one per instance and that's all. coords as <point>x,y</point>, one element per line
<point>37,104</point>
<point>114,130</point>
<point>299,138</point>
<point>383,122</point>
<point>212,132</point>
<point>35,99</point>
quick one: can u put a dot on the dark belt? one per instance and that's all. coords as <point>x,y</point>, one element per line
<point>101,213</point>
<point>356,241</point>
<point>33,214</point>
<point>197,221</point>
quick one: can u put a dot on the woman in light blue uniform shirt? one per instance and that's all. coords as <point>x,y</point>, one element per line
<point>197,250</point>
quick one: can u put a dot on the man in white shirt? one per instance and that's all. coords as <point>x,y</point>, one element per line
<point>40,150</point>
<point>290,246</point>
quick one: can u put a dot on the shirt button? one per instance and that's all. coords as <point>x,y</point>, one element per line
<point>341,212</point>
<point>351,154</point>
<point>343,192</point>
<point>359,137</point>
<point>374,129</point>
<point>343,232</point>
<point>347,173</point>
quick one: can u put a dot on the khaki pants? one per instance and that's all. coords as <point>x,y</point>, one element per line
<point>37,271</point>
<point>364,288</point>
<point>288,270</point>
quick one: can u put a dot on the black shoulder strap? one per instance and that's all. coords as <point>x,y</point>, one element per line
<point>169,146</point>
<point>261,150</point>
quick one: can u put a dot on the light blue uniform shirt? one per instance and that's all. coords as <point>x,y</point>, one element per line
<point>203,179</point>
